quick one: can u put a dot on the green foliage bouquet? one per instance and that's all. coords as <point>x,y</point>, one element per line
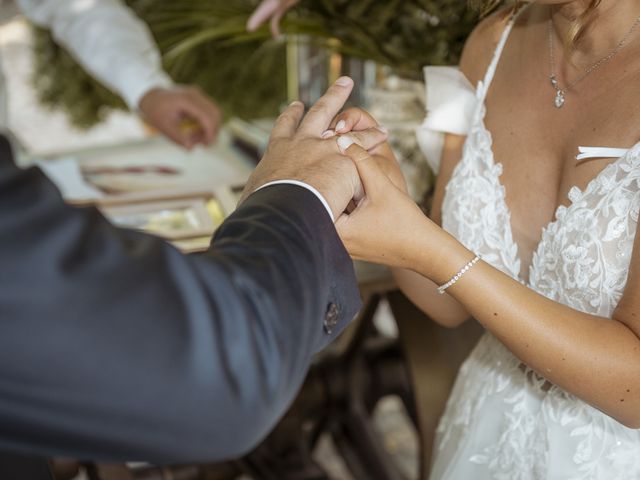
<point>205,42</point>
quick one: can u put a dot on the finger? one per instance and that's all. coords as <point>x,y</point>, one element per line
<point>325,109</point>
<point>173,130</point>
<point>371,138</point>
<point>328,134</point>
<point>211,113</point>
<point>187,133</point>
<point>206,118</point>
<point>214,114</point>
<point>353,119</point>
<point>288,121</point>
<point>372,176</point>
<point>261,14</point>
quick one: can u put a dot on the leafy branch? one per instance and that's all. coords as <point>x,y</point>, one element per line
<point>205,42</point>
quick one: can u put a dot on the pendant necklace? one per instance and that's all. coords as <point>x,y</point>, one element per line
<point>561,93</point>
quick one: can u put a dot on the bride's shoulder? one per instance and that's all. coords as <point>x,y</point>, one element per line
<point>481,44</point>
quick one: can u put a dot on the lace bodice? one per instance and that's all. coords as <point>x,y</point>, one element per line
<point>503,421</point>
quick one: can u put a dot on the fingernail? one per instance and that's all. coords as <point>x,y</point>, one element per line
<point>344,142</point>
<point>382,129</point>
<point>344,81</point>
<point>340,125</point>
<point>327,134</point>
<point>295,103</point>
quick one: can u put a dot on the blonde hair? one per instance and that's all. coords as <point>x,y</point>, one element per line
<point>573,34</point>
<point>580,24</point>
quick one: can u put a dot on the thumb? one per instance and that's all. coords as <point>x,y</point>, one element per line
<point>372,177</point>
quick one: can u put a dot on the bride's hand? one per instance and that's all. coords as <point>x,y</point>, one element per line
<point>387,226</point>
<point>356,122</point>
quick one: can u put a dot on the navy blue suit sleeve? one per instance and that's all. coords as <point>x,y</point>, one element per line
<point>113,345</point>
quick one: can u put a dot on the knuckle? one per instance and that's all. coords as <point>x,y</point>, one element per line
<point>273,145</point>
<point>358,137</point>
<point>352,112</point>
<point>358,152</point>
<point>292,110</point>
<point>319,106</point>
<point>285,117</point>
<point>362,113</point>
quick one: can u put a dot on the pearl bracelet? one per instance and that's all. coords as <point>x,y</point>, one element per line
<point>457,276</point>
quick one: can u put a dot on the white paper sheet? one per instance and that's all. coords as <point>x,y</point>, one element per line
<point>65,173</point>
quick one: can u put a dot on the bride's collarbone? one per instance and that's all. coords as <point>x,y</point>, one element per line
<point>545,140</point>
<point>537,143</point>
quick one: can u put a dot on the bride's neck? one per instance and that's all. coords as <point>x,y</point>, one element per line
<point>611,22</point>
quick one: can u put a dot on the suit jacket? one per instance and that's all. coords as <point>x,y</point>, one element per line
<point>113,345</point>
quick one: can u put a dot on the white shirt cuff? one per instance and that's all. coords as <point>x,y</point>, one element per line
<point>303,185</point>
<point>139,86</point>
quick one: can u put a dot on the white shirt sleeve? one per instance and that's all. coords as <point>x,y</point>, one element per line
<point>303,185</point>
<point>107,39</point>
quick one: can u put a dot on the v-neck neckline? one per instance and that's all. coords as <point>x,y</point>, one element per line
<point>575,194</point>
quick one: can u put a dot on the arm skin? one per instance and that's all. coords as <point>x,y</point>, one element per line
<point>595,358</point>
<point>115,346</point>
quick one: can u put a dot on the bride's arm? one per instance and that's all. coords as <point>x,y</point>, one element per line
<point>444,309</point>
<point>595,358</point>
<point>476,56</point>
<point>422,291</point>
<point>592,357</point>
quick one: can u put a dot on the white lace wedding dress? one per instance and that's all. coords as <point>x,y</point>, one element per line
<point>502,420</point>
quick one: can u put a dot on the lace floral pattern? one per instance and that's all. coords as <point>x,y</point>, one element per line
<point>485,229</point>
<point>503,421</point>
<point>583,257</point>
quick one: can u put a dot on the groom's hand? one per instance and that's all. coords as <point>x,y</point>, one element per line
<point>297,151</point>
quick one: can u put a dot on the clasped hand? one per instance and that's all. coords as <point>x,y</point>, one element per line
<point>347,159</point>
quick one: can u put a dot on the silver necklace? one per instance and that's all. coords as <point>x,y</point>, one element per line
<point>561,93</point>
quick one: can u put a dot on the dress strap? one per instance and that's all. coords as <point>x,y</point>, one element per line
<point>491,71</point>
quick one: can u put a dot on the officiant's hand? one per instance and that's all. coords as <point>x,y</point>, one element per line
<point>298,151</point>
<point>272,10</point>
<point>182,113</point>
